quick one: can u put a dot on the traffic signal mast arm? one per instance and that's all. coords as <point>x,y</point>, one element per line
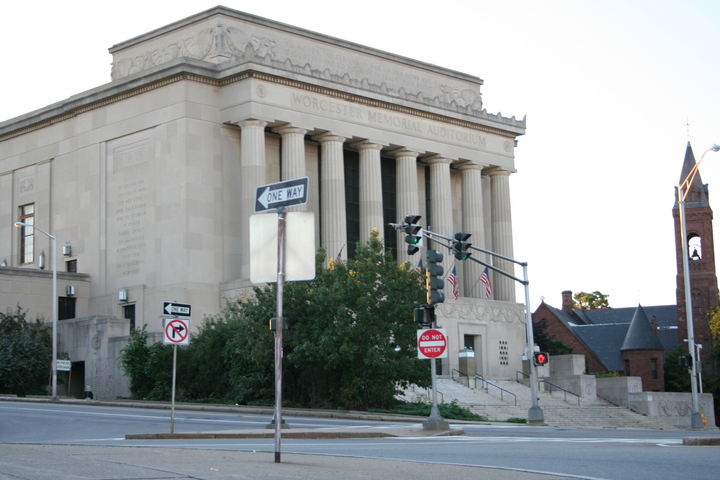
<point>535,414</point>
<point>432,234</point>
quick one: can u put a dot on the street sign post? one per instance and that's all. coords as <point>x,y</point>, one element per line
<point>177,332</point>
<point>281,194</point>
<point>180,309</point>
<point>432,343</point>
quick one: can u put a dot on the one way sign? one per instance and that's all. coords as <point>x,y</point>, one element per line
<point>171,308</point>
<point>282,194</point>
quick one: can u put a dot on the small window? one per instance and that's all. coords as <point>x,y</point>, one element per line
<point>66,308</point>
<point>653,368</point>
<point>627,368</point>
<point>71,266</point>
<point>27,234</point>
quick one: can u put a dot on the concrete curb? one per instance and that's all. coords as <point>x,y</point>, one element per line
<point>297,434</point>
<point>701,441</point>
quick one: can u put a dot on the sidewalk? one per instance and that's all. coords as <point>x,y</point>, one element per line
<point>68,462</point>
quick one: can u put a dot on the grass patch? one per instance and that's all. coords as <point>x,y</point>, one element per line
<point>449,411</point>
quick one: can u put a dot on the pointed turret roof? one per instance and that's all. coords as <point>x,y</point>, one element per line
<point>641,334</point>
<point>701,200</point>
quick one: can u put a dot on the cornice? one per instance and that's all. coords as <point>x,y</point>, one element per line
<point>122,90</point>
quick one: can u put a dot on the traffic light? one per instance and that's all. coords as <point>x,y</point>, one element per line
<point>461,247</point>
<point>541,358</point>
<point>414,234</point>
<point>685,361</point>
<point>434,275</point>
<point>424,315</point>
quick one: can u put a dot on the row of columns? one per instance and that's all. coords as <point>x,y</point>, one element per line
<point>332,192</point>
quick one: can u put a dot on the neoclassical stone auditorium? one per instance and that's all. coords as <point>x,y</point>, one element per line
<point>148,182</point>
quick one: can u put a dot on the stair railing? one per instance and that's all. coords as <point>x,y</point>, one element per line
<point>550,385</point>
<point>484,384</point>
<point>442,397</point>
<point>463,378</point>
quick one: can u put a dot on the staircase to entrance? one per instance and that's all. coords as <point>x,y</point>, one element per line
<point>502,400</point>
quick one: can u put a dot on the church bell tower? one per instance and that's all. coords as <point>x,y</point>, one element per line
<point>701,249</point>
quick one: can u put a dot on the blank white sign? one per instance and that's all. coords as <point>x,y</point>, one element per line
<point>299,247</point>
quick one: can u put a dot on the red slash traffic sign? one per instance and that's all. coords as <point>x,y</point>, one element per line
<point>176,331</point>
<point>432,343</point>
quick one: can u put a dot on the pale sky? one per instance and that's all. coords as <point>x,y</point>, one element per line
<point>607,86</point>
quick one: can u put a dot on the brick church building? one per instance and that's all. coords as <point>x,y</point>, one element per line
<point>635,341</point>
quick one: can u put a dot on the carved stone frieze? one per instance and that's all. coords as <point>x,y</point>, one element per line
<point>483,312</point>
<point>227,47</point>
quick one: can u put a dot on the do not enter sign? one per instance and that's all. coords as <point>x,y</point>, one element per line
<point>432,343</point>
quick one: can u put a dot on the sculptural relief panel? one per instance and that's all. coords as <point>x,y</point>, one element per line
<point>225,43</point>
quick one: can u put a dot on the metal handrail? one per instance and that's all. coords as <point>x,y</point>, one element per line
<point>442,397</point>
<point>551,386</point>
<point>485,385</point>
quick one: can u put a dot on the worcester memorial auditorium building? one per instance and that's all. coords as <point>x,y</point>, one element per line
<point>148,182</point>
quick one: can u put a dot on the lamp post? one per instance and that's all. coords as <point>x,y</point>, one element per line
<point>54,305</point>
<point>682,191</point>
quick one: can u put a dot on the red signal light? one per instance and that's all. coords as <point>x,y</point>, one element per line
<point>541,358</point>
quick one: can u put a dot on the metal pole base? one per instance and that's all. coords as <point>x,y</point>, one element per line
<point>535,416</point>
<point>696,421</point>
<point>435,421</point>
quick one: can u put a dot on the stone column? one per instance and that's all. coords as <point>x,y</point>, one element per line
<point>407,198</point>
<point>252,175</point>
<point>371,205</point>
<point>472,222</point>
<point>292,155</point>
<point>441,205</point>
<point>503,287</point>
<point>333,220</point>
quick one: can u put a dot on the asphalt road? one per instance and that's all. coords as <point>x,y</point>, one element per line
<point>51,430</point>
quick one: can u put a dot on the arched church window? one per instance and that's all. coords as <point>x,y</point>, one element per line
<point>695,248</point>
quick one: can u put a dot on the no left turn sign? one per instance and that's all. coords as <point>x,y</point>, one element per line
<point>177,331</point>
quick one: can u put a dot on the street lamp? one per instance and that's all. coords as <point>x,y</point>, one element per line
<point>54,305</point>
<point>682,191</point>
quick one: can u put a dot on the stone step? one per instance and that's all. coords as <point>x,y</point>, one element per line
<point>558,409</point>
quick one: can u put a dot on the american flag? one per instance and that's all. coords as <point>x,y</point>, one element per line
<point>453,280</point>
<point>418,269</point>
<point>485,278</point>
<point>338,259</point>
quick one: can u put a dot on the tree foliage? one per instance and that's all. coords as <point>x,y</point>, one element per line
<point>677,378</point>
<point>350,344</point>
<point>351,340</point>
<point>25,353</point>
<point>591,301</point>
<point>714,321</point>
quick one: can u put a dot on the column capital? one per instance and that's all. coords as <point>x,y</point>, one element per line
<point>498,172</point>
<point>368,146</point>
<point>252,122</point>
<point>289,129</point>
<point>329,137</point>
<point>469,166</point>
<point>437,159</point>
<point>402,152</point>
